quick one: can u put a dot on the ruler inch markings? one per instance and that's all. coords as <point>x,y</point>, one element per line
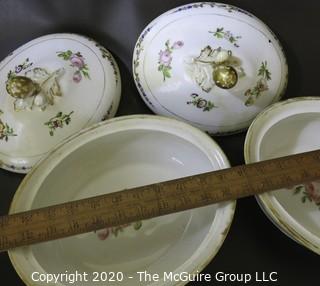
<point>158,199</point>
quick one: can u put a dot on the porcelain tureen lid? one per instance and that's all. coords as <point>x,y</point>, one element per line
<point>213,65</point>
<point>51,88</point>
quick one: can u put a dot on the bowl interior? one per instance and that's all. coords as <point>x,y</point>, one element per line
<point>295,134</point>
<point>115,162</point>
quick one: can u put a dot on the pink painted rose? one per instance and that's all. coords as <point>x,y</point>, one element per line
<point>262,85</point>
<point>313,191</point>
<point>177,45</point>
<point>77,61</point>
<point>103,234</point>
<point>165,58</point>
<point>77,77</point>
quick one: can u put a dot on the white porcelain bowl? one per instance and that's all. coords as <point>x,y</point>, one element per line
<point>286,128</point>
<point>78,82</point>
<point>213,65</point>
<point>122,153</point>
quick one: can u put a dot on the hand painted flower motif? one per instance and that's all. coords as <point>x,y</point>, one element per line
<point>19,68</point>
<point>165,58</point>
<point>313,192</point>
<point>220,33</point>
<point>105,233</point>
<point>310,192</point>
<point>77,61</point>
<point>261,86</point>
<point>77,77</point>
<point>59,121</point>
<point>201,103</point>
<point>177,45</point>
<point>5,130</point>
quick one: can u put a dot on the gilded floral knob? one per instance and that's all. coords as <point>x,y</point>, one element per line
<point>21,87</point>
<point>225,77</point>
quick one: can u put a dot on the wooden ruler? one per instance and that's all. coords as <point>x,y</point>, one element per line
<point>156,200</point>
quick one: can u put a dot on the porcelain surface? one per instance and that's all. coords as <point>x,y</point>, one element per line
<point>51,88</point>
<point>213,65</point>
<point>286,128</point>
<point>121,153</point>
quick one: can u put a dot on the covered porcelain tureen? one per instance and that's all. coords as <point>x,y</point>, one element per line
<point>213,65</point>
<point>51,88</point>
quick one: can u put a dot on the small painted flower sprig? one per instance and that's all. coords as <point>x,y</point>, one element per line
<point>58,121</point>
<point>165,58</point>
<point>19,68</point>
<point>5,130</point>
<point>105,233</point>
<point>77,61</point>
<point>310,192</point>
<point>201,103</point>
<point>220,33</point>
<point>261,85</point>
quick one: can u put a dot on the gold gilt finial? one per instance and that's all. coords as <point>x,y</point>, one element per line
<point>225,77</point>
<point>22,87</point>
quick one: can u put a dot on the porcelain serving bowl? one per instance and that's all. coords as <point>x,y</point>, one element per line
<point>213,65</point>
<point>286,128</point>
<point>51,88</point>
<point>122,153</point>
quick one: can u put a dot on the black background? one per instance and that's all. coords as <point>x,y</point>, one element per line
<point>254,243</point>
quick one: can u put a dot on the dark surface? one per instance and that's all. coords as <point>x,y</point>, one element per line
<point>254,243</point>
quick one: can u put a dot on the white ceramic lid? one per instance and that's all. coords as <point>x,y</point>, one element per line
<point>286,128</point>
<point>213,65</point>
<point>51,88</point>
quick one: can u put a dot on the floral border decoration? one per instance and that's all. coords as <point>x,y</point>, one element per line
<point>221,33</point>
<point>136,63</point>
<point>5,130</point>
<point>254,93</point>
<point>165,58</point>
<point>58,121</point>
<point>201,103</point>
<point>15,168</point>
<point>309,193</point>
<point>107,115</point>
<point>228,8</point>
<point>77,61</point>
<point>107,55</point>
<point>105,233</point>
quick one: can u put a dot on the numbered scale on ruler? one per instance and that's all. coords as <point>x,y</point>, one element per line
<point>156,200</point>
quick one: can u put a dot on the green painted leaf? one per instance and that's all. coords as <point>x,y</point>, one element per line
<point>166,73</point>
<point>137,225</point>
